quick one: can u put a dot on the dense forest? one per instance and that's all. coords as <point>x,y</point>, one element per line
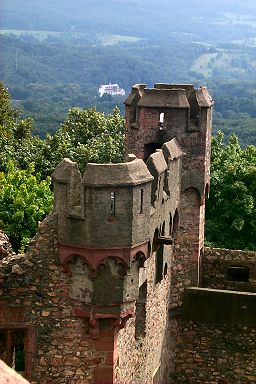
<point>47,76</point>
<point>56,55</point>
<point>196,20</point>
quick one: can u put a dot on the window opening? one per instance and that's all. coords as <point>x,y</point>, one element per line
<point>175,223</point>
<point>165,269</point>
<point>170,225</point>
<point>12,348</point>
<point>161,121</point>
<point>155,244</point>
<point>159,264</point>
<point>238,273</point>
<point>149,149</point>
<point>140,313</point>
<point>113,202</point>
<point>141,200</point>
<point>158,187</point>
<point>163,229</point>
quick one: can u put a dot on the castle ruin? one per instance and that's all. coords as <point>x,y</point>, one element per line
<point>117,286</point>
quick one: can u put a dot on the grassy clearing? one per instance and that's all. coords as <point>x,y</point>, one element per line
<point>209,61</point>
<point>104,40</point>
<point>115,39</point>
<point>201,64</point>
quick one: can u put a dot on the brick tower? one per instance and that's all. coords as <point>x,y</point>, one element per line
<point>155,116</point>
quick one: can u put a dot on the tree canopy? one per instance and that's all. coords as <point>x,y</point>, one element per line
<point>26,161</point>
<point>231,208</point>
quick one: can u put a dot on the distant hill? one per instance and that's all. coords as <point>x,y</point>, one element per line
<point>56,53</point>
<point>199,20</point>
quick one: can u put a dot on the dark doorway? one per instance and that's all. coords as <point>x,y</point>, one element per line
<point>12,348</point>
<point>149,149</point>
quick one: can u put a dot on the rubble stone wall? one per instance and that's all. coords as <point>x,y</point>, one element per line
<point>203,353</point>
<point>35,296</point>
<point>144,359</point>
<point>216,262</point>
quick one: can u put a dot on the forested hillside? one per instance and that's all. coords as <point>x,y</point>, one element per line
<point>199,20</point>
<point>57,53</point>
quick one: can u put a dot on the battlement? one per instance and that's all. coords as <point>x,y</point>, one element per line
<point>114,198</point>
<point>156,115</point>
<point>109,222</point>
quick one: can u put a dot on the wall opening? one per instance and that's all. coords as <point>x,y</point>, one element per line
<point>170,225</point>
<point>159,264</point>
<point>165,269</point>
<point>163,229</point>
<point>149,149</point>
<point>113,202</point>
<point>161,121</point>
<point>141,200</point>
<point>155,244</point>
<point>207,191</point>
<point>238,273</point>
<point>12,349</point>
<point>140,312</point>
<point>176,220</point>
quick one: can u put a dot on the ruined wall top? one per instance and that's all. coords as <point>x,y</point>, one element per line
<point>129,173</point>
<point>168,96</point>
<point>114,198</point>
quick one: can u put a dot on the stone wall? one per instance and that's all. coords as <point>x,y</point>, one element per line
<point>213,338</point>
<point>217,273</point>
<point>35,297</point>
<point>143,357</point>
<point>203,353</point>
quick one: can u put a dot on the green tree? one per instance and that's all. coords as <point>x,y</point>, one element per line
<point>87,136</point>
<point>231,208</point>
<point>24,200</point>
<point>26,162</point>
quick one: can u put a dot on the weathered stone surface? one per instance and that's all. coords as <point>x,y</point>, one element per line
<point>5,246</point>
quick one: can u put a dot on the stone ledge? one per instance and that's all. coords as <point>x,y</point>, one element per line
<point>219,306</point>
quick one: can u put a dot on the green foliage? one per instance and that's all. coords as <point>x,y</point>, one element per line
<point>231,208</point>
<point>26,162</point>
<point>93,136</point>
<point>24,200</point>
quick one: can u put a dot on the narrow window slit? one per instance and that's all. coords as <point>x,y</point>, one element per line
<point>141,200</point>
<point>113,202</point>
<point>161,121</point>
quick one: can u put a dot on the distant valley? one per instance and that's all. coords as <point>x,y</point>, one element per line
<point>56,55</point>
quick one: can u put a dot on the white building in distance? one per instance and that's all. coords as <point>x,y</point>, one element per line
<point>111,89</point>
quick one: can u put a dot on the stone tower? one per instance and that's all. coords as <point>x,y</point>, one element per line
<point>155,116</point>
